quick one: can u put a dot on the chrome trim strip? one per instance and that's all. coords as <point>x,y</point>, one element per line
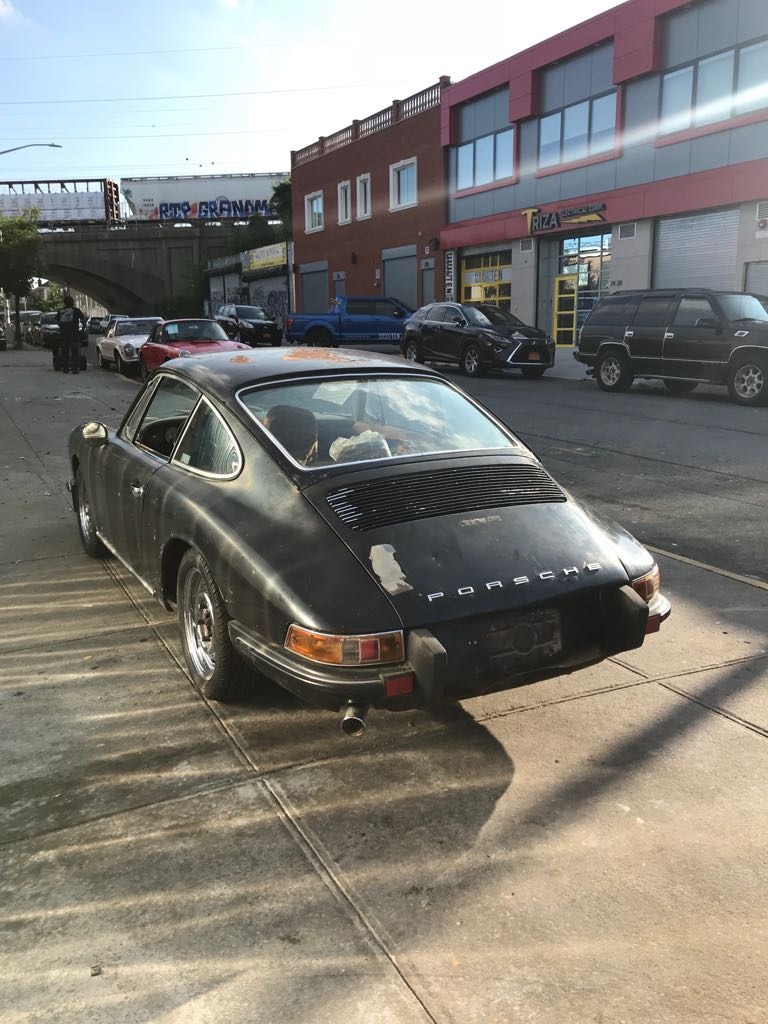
<point>122,561</point>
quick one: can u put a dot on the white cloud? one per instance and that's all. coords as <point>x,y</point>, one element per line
<point>7,10</point>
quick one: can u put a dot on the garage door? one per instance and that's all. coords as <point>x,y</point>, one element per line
<point>400,279</point>
<point>314,292</point>
<point>757,278</point>
<point>697,252</point>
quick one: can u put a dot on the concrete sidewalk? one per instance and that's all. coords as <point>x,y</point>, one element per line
<point>588,849</point>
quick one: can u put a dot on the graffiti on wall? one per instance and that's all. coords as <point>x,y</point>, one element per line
<point>273,300</point>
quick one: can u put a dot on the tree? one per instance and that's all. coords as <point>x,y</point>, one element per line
<point>54,301</point>
<point>261,230</point>
<point>19,258</point>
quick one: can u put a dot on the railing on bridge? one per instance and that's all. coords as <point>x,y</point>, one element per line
<point>398,111</point>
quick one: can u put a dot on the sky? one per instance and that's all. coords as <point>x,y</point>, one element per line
<point>167,87</point>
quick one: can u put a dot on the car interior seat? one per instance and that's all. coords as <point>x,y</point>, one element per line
<point>295,429</point>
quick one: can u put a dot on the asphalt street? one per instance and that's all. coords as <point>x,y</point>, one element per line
<point>589,849</point>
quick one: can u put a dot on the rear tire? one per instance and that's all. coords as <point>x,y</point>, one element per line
<point>85,524</point>
<point>212,662</point>
<point>532,372</point>
<point>680,387</point>
<point>748,381</point>
<point>613,371</point>
<point>319,338</point>
<point>412,353</point>
<point>470,360</point>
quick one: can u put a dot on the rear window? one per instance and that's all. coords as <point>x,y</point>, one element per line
<point>615,310</point>
<point>364,419</point>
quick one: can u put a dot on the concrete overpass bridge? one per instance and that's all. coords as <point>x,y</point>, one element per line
<point>133,269</point>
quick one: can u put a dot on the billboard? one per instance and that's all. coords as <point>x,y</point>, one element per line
<point>265,258</point>
<point>201,197</point>
<point>61,202</point>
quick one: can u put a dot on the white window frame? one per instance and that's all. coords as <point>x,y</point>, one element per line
<point>365,215</point>
<point>344,188</point>
<point>394,169</point>
<point>308,230</point>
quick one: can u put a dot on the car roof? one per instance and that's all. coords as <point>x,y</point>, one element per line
<point>224,373</point>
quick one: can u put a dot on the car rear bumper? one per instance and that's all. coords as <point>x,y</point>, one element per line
<point>466,659</point>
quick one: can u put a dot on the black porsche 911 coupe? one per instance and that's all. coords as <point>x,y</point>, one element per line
<point>358,529</point>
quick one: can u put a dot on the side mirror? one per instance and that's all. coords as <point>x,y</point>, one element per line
<point>399,314</point>
<point>459,321</point>
<point>707,321</point>
<point>95,434</point>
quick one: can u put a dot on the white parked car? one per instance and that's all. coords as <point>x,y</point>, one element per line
<point>110,319</point>
<point>120,345</point>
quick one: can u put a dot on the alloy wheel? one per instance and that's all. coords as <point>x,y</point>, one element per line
<point>198,623</point>
<point>749,381</point>
<point>411,352</point>
<point>471,361</point>
<point>87,528</point>
<point>610,371</point>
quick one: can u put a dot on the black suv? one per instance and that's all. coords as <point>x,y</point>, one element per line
<point>477,336</point>
<point>685,337</point>
<point>249,324</point>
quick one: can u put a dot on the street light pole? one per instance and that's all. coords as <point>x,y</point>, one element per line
<point>29,145</point>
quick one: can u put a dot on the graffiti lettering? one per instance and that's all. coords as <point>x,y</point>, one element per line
<point>212,209</point>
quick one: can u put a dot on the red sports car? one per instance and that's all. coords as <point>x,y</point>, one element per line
<point>174,338</point>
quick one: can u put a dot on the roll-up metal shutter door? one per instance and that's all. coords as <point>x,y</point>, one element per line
<point>697,252</point>
<point>757,278</point>
<point>400,279</point>
<point>314,292</point>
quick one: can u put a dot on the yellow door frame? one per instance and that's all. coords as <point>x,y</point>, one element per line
<point>558,312</point>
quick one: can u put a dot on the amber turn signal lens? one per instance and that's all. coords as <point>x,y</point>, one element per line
<point>648,586</point>
<point>333,649</point>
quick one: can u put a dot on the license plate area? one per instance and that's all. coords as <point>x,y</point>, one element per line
<point>527,638</point>
<point>534,357</point>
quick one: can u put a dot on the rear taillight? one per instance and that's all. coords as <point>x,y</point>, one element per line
<point>647,586</point>
<point>288,323</point>
<point>334,649</point>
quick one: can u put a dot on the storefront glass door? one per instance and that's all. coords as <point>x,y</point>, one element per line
<point>564,306</point>
<point>585,264</point>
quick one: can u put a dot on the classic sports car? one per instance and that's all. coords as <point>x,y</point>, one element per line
<point>120,345</point>
<point>172,338</point>
<point>357,528</point>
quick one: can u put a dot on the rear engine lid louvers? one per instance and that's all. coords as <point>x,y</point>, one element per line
<point>403,499</point>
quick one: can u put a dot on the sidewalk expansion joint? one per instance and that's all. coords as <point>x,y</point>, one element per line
<point>750,581</point>
<point>718,710</point>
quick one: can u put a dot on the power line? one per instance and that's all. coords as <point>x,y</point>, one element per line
<point>142,53</point>
<point>201,95</point>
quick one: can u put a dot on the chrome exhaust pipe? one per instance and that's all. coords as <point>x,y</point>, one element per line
<point>353,720</point>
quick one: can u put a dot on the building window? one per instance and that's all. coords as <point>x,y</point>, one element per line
<point>313,212</point>
<point>485,160</point>
<point>344,196</point>
<point>363,196</point>
<point>578,131</point>
<point>402,184</point>
<point>715,88</point>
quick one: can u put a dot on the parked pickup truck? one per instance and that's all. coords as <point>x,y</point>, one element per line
<point>350,319</point>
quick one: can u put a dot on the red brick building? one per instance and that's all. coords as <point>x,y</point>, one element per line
<point>368,207</point>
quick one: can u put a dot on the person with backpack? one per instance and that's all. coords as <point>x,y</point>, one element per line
<point>69,318</point>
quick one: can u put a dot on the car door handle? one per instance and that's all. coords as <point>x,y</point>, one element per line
<point>137,489</point>
<point>667,335</point>
<point>629,334</point>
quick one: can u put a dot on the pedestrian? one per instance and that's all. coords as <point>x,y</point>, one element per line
<point>69,317</point>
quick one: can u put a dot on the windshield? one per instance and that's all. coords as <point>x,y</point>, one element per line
<point>194,330</point>
<point>251,312</point>
<point>742,307</point>
<point>367,418</point>
<point>474,316</point>
<point>499,316</point>
<point>48,318</point>
<point>134,327</point>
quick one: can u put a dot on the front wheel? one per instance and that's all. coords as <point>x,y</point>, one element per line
<point>531,372</point>
<point>101,362</point>
<point>748,381</point>
<point>85,524</point>
<point>119,367</point>
<point>470,360</point>
<point>412,353</point>
<point>613,372</point>
<point>680,387</point>
<point>143,371</point>
<point>213,664</point>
